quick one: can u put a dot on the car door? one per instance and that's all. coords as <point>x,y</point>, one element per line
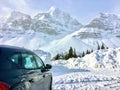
<point>45,72</point>
<point>33,73</point>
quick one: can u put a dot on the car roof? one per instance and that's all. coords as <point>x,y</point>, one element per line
<point>10,49</point>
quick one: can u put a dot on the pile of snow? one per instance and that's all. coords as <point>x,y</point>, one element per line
<point>96,71</point>
<point>109,58</point>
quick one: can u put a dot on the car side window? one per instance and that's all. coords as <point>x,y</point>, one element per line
<point>15,58</point>
<point>28,61</point>
<point>39,62</point>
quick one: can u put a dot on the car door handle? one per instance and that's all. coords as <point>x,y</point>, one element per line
<point>31,80</point>
<point>44,76</point>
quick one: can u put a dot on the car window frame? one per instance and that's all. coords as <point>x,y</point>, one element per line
<point>34,59</point>
<point>40,60</point>
<point>20,65</point>
<point>17,66</point>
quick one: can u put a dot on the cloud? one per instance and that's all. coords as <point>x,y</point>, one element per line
<point>6,6</point>
<point>20,5</point>
<point>116,7</point>
<point>5,11</point>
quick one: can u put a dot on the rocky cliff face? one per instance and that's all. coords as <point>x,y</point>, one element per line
<point>52,22</point>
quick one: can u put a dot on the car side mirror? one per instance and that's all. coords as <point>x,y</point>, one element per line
<point>48,66</point>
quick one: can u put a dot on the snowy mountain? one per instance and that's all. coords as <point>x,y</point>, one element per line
<point>103,30</point>
<point>55,31</point>
<point>107,22</point>
<point>17,21</point>
<point>19,28</point>
<point>54,22</point>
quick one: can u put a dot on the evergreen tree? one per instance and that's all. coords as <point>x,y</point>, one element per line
<point>70,54</point>
<point>91,50</point>
<point>107,48</point>
<point>57,57</point>
<point>66,57</point>
<point>74,54</point>
<point>87,52</point>
<point>83,54</point>
<point>98,47</point>
<point>102,47</point>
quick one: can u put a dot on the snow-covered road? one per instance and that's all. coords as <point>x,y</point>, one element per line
<point>80,79</point>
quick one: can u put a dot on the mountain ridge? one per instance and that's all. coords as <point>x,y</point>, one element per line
<point>51,33</point>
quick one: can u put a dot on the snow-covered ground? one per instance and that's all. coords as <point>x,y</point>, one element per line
<point>80,79</point>
<point>73,74</point>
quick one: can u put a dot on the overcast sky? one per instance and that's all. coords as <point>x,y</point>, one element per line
<point>83,10</point>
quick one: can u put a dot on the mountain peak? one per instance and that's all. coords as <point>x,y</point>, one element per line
<point>105,21</point>
<point>18,15</point>
<point>53,8</point>
<point>106,15</point>
<point>53,11</point>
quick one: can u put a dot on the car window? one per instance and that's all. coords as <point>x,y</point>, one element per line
<point>39,62</point>
<point>15,58</point>
<point>28,61</point>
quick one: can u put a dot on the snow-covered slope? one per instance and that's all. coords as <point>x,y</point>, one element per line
<point>64,44</point>
<point>103,30</point>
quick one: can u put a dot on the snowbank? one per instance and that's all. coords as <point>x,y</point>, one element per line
<point>109,58</point>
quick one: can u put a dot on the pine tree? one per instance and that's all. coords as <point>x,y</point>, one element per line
<point>66,57</point>
<point>83,54</point>
<point>98,47</point>
<point>74,54</point>
<point>91,50</point>
<point>57,57</point>
<point>102,47</point>
<point>70,54</point>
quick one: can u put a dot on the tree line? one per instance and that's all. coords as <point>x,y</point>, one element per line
<point>72,53</point>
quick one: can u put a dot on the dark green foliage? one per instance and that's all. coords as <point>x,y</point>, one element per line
<point>98,47</point>
<point>57,57</point>
<point>74,54</point>
<point>83,54</point>
<point>68,55</point>
<point>102,47</point>
<point>91,50</point>
<point>87,52</point>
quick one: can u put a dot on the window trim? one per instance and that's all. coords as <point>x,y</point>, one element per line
<point>18,66</point>
<point>34,55</point>
<point>20,61</point>
<point>35,61</point>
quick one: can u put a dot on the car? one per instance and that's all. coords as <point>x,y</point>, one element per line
<point>22,69</point>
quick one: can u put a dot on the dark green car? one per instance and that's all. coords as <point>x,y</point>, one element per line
<point>22,69</point>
